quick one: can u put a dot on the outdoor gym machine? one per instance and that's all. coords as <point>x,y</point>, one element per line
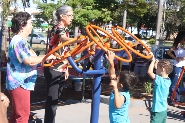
<point>103,45</point>
<point>174,96</point>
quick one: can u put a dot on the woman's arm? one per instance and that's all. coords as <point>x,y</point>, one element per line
<point>169,52</point>
<point>64,38</point>
<point>33,60</point>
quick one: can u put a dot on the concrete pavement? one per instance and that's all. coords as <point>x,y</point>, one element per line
<point>77,112</point>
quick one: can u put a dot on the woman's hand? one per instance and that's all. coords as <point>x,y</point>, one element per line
<point>5,100</point>
<point>66,74</point>
<point>178,59</point>
<point>51,57</point>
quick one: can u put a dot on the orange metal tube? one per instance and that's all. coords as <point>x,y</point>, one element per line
<point>101,45</point>
<point>130,47</point>
<point>176,87</point>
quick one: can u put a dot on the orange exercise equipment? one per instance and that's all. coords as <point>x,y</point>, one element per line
<point>90,29</point>
<point>100,41</point>
<point>72,53</point>
<point>174,96</point>
<point>129,45</point>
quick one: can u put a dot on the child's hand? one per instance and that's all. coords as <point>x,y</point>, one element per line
<point>110,56</point>
<point>153,58</point>
<point>114,84</point>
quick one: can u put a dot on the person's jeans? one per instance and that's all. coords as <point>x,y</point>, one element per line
<point>125,68</point>
<point>176,74</point>
<point>54,84</point>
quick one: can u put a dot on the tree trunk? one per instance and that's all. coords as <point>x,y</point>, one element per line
<point>4,34</point>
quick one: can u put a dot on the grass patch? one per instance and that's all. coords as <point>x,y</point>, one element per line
<point>39,47</point>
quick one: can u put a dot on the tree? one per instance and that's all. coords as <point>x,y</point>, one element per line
<point>173,16</point>
<point>108,10</point>
<point>84,11</point>
<point>47,10</point>
<point>135,11</point>
<point>4,29</point>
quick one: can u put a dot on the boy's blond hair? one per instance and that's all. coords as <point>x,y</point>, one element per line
<point>167,65</point>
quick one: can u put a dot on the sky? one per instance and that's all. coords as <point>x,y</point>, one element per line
<point>32,5</point>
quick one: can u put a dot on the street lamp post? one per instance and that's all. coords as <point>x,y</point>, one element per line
<point>124,18</point>
<point>159,21</point>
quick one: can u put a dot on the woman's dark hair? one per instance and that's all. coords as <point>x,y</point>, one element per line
<point>128,80</point>
<point>19,21</point>
<point>140,45</point>
<point>178,39</point>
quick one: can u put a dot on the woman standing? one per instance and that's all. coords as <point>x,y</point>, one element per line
<point>21,68</point>
<point>179,57</point>
<point>56,75</point>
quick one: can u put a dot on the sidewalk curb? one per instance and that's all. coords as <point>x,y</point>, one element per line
<point>104,99</point>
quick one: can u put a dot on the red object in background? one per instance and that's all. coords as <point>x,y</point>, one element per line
<point>116,64</point>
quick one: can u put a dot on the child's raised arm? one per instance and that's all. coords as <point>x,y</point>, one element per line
<point>151,67</point>
<point>110,57</point>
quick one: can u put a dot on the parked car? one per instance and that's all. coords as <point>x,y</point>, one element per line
<point>38,38</point>
<point>37,29</point>
<point>160,52</point>
<point>129,38</point>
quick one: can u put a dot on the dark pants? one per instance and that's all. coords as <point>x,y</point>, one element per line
<point>125,68</point>
<point>176,74</point>
<point>90,64</point>
<point>54,83</point>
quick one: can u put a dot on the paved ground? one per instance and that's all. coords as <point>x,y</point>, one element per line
<point>74,111</point>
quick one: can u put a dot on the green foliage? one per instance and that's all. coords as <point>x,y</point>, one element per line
<point>135,12</point>
<point>148,87</point>
<point>6,6</point>
<point>151,41</point>
<point>46,11</point>
<point>84,11</point>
